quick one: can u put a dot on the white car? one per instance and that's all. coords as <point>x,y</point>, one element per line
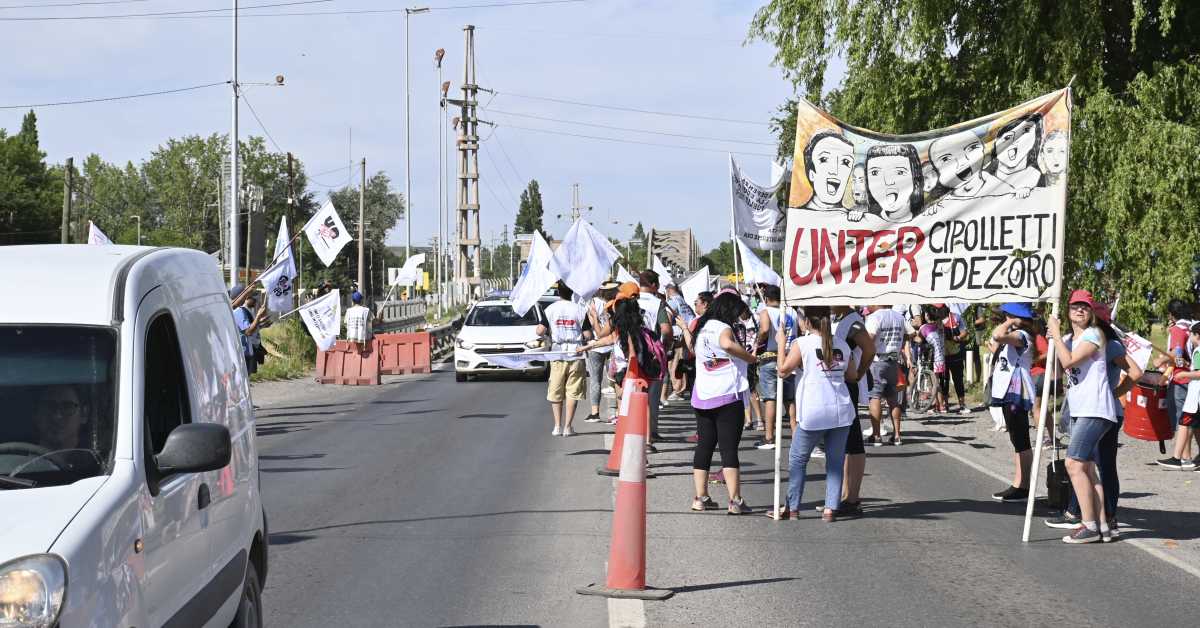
<point>129,482</point>
<point>492,326</point>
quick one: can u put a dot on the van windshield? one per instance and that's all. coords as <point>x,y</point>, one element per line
<point>57,422</point>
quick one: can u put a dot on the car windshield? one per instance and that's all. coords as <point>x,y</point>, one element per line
<point>500,316</point>
<point>56,404</point>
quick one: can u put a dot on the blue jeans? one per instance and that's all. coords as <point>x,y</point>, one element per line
<point>1106,466</point>
<point>803,443</point>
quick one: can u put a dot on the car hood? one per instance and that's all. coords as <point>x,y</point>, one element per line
<point>34,517</point>
<point>498,335</point>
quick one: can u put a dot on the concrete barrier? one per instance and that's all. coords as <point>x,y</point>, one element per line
<point>403,354</point>
<point>345,365</point>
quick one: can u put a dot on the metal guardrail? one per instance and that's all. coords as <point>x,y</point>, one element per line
<point>401,315</point>
<point>441,339</point>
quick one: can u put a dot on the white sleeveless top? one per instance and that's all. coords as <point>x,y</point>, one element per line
<point>602,317</point>
<point>650,304</point>
<point>1089,393</point>
<point>842,332</point>
<point>826,399</point>
<point>717,373</point>
<point>1013,362</point>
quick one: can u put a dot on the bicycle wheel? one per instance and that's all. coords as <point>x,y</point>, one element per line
<point>922,394</point>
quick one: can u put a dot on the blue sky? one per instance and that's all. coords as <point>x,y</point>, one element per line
<point>346,72</point>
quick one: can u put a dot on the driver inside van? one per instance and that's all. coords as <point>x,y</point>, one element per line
<point>61,419</point>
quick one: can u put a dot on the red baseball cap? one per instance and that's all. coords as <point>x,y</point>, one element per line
<point>1082,296</point>
<point>1103,312</point>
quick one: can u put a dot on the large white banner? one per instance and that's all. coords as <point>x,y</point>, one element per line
<point>757,217</point>
<point>971,213</point>
<point>326,233</point>
<point>323,318</point>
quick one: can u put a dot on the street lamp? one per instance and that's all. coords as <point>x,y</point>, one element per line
<point>139,219</point>
<point>408,137</point>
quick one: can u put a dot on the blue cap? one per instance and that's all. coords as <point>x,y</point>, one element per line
<point>235,290</point>
<point>356,296</point>
<point>1019,310</point>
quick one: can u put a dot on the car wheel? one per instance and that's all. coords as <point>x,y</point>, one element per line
<point>460,377</point>
<point>249,612</point>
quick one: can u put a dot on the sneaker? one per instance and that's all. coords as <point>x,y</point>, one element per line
<point>612,421</point>
<point>764,444</point>
<point>964,410</point>
<point>1083,535</point>
<point>1011,494</point>
<point>1187,465</point>
<point>700,504</point>
<point>760,426</point>
<point>1064,521</point>
<point>896,440</point>
<point>556,432</point>
<point>818,453</point>
<point>738,506</point>
<point>568,431</point>
<point>592,418</point>
<point>876,441</point>
<point>1114,532</point>
<point>1171,463</point>
<point>674,397</point>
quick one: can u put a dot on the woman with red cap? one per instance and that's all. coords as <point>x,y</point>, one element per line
<point>1012,390</point>
<point>1093,410</point>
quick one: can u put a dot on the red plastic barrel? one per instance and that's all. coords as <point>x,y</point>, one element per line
<point>1146,410</point>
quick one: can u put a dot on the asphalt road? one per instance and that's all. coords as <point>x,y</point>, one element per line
<point>431,503</point>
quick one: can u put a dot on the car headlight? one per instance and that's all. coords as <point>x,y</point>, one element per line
<point>32,591</point>
<point>463,344</point>
<point>534,344</point>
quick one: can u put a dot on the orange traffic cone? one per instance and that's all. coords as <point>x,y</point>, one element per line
<point>612,467</point>
<point>627,553</point>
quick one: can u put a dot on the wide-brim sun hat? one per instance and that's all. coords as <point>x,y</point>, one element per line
<point>1018,310</point>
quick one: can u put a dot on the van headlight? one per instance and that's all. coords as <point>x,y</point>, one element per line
<point>463,344</point>
<point>32,591</point>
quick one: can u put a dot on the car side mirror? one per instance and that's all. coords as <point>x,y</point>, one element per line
<point>457,324</point>
<point>194,448</point>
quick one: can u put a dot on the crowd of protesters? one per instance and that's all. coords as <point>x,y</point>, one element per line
<point>735,356</point>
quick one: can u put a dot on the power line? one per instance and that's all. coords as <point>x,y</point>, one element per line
<point>621,128</point>
<point>69,4</point>
<point>520,179</point>
<point>632,35</point>
<point>189,12</point>
<point>261,125</point>
<point>624,141</point>
<point>330,171</point>
<point>225,13</point>
<point>633,110</point>
<point>499,173</point>
<point>112,98</point>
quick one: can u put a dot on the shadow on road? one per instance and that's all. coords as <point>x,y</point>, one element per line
<point>726,585</point>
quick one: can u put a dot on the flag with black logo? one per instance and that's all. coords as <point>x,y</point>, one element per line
<point>326,233</point>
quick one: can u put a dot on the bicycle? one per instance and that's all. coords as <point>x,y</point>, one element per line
<point>921,389</point>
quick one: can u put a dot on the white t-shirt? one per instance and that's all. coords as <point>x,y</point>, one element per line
<point>888,328</point>
<point>1089,393</point>
<point>358,324</point>
<point>565,320</point>
<point>717,372</point>
<point>826,400</point>
<point>650,304</point>
<point>602,317</point>
<point>843,329</point>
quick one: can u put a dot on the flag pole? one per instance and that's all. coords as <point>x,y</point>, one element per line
<point>737,278</point>
<point>250,284</point>
<point>1041,425</point>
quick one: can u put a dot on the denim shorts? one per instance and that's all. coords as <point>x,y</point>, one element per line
<point>1086,433</point>
<point>884,375</point>
<point>767,374</point>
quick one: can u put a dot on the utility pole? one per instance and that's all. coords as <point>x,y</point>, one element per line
<point>362,202</point>
<point>233,162</point>
<point>408,136</point>
<point>468,172</point>
<point>504,243</point>
<point>68,183</point>
<point>439,268</point>
<point>291,201</point>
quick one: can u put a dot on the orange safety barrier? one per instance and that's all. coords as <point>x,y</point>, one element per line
<point>343,364</point>
<point>627,552</point>
<point>403,353</point>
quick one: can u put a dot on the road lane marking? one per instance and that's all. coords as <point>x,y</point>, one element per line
<point>1142,544</point>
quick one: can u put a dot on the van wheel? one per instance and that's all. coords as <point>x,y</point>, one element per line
<point>249,612</point>
<point>460,377</point>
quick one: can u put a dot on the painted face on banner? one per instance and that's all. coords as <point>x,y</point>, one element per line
<point>1013,146</point>
<point>832,160</point>
<point>860,184</point>
<point>1054,153</point>
<point>957,158</point>
<point>890,180</point>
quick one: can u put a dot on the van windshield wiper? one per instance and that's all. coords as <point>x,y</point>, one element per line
<point>8,481</point>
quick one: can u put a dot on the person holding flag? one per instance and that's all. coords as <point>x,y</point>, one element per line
<point>564,325</point>
<point>243,303</point>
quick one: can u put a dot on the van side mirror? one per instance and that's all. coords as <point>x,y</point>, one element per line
<point>194,448</point>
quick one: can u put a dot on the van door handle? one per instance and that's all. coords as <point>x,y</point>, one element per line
<point>203,497</point>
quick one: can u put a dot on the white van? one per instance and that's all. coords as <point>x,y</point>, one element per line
<point>129,483</point>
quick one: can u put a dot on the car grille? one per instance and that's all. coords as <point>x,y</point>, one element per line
<point>499,349</point>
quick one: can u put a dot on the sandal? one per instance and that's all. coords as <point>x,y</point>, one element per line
<point>783,514</point>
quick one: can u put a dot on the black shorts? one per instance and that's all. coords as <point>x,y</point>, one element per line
<point>854,440</point>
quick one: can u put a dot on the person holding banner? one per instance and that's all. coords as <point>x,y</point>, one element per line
<point>1093,411</point>
<point>1012,391</point>
<point>248,324</point>
<point>826,366</point>
<point>564,324</point>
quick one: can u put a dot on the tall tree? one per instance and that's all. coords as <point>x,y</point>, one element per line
<point>914,65</point>
<point>30,192</point>
<point>529,212</point>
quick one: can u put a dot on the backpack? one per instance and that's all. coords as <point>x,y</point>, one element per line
<point>652,363</point>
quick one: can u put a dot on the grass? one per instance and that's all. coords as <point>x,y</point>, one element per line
<point>291,352</point>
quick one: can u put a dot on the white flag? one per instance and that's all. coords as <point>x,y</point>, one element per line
<point>326,233</point>
<point>410,272</point>
<point>753,269</point>
<point>278,279</point>
<point>664,274</point>
<point>624,276</point>
<point>584,259</point>
<point>535,278</point>
<point>522,360</point>
<point>1137,347</point>
<point>756,214</point>
<point>96,236</point>
<point>323,318</point>
<point>694,285</point>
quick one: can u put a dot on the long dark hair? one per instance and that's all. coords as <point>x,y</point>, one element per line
<point>627,320</point>
<point>916,198</point>
<point>726,307</point>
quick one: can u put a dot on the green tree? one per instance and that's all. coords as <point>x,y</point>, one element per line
<point>914,65</point>
<point>529,212</point>
<point>382,209</point>
<point>30,192</point>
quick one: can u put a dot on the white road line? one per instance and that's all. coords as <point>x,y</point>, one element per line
<point>623,613</point>
<point>1142,544</point>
